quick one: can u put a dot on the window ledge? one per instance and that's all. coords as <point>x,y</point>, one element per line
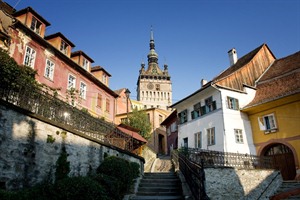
<point>270,131</point>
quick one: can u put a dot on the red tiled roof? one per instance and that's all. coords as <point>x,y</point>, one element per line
<point>131,131</point>
<point>280,80</point>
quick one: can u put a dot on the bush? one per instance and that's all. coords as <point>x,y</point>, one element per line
<point>79,188</point>
<point>111,184</point>
<point>123,170</point>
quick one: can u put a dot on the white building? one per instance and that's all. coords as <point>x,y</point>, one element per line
<point>211,119</point>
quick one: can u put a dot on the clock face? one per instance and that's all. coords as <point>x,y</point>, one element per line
<point>150,86</point>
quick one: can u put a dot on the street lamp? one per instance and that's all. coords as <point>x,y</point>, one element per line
<point>127,93</point>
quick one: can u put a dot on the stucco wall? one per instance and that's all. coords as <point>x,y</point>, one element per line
<point>26,157</point>
<point>230,183</point>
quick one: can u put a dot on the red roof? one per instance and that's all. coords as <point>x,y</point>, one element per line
<point>130,131</point>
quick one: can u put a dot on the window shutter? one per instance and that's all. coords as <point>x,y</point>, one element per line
<point>261,124</point>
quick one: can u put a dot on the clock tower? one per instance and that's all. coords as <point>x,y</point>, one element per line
<point>154,86</point>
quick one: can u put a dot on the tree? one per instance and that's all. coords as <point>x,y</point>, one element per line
<point>139,119</point>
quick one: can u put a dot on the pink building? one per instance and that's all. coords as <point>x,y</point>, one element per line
<point>57,66</point>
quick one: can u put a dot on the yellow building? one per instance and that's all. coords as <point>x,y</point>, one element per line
<point>275,115</point>
<point>158,139</point>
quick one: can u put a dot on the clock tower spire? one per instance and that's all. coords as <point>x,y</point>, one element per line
<point>154,86</point>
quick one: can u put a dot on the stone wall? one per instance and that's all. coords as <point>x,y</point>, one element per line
<point>230,183</point>
<point>30,147</point>
<point>150,156</point>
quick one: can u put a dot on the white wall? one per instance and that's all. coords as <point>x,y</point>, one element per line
<point>235,119</point>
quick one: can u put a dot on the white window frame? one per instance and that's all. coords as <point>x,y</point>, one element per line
<point>269,122</point>
<point>198,140</point>
<point>211,136</point>
<point>238,133</point>
<point>49,69</point>
<point>64,47</point>
<point>29,58</point>
<point>85,64</point>
<point>35,25</point>
<point>104,78</point>
<point>82,90</point>
<point>232,103</point>
<point>71,82</point>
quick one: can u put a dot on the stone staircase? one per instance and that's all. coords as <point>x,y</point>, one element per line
<point>288,190</point>
<point>158,186</point>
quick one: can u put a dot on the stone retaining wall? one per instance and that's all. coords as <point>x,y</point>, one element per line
<point>29,149</point>
<point>230,183</point>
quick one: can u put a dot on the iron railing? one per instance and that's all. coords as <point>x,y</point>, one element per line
<point>193,173</point>
<point>48,106</point>
<point>227,159</point>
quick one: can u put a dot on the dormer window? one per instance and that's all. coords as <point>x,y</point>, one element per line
<point>35,25</point>
<point>85,64</point>
<point>64,47</point>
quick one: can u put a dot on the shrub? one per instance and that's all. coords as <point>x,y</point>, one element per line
<point>79,188</point>
<point>121,169</point>
<point>111,184</point>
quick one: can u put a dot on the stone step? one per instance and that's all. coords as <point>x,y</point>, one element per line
<point>157,198</point>
<point>159,189</point>
<point>162,184</point>
<point>155,193</point>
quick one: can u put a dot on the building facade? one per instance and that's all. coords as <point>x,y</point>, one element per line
<point>154,86</point>
<point>210,118</point>
<point>69,73</point>
<point>275,115</point>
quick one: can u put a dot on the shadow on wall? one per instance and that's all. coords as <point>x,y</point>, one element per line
<point>30,148</point>
<point>232,183</point>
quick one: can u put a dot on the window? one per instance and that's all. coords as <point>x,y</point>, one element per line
<point>49,69</point>
<point>198,142</point>
<point>29,57</point>
<point>64,47</point>
<point>169,130</point>
<point>209,106</point>
<point>197,111</point>
<point>107,105</point>
<point>71,82</point>
<point>104,77</point>
<point>182,116</point>
<point>185,142</point>
<point>238,136</point>
<point>85,64</point>
<point>82,92</point>
<point>35,25</point>
<point>232,103</point>
<point>211,140</point>
<point>267,122</point>
<point>99,100</point>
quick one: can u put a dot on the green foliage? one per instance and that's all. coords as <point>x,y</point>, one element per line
<point>80,188</point>
<point>50,139</point>
<point>72,95</point>
<point>139,119</point>
<point>121,169</point>
<point>62,165</point>
<point>14,76</point>
<point>111,184</point>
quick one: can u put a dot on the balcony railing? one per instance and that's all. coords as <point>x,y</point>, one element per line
<point>227,159</point>
<point>47,106</point>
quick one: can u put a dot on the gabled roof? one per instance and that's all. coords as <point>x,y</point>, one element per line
<point>280,80</point>
<point>29,9</point>
<point>170,118</point>
<point>78,53</point>
<point>119,91</point>
<point>244,72</point>
<point>59,34</point>
<point>99,68</point>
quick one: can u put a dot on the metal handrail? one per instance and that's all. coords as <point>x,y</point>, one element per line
<point>194,174</point>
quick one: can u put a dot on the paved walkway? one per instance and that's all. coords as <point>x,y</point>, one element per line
<point>162,164</point>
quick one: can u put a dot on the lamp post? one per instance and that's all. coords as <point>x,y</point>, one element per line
<point>127,93</point>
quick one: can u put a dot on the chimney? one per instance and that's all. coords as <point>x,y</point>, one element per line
<point>232,56</point>
<point>203,82</point>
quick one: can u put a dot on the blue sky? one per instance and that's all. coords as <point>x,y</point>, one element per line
<point>191,36</point>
